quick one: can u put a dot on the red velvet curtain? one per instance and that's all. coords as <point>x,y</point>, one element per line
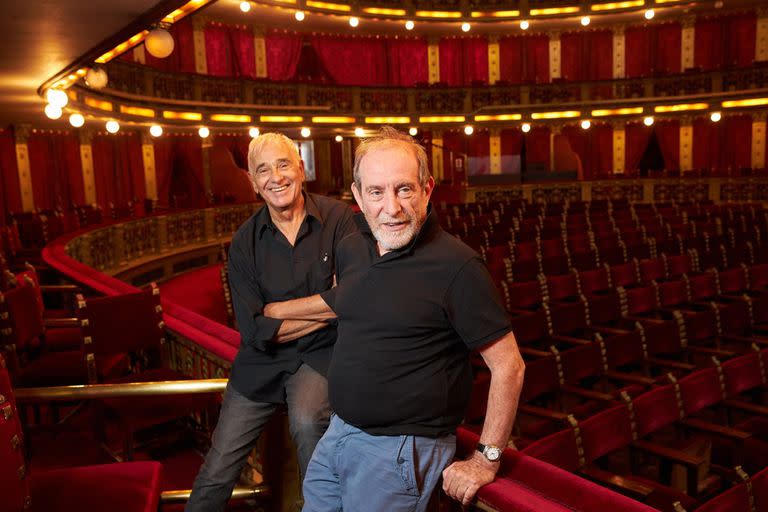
<point>186,187</point>
<point>737,142</point>
<point>668,134</point>
<point>653,49</point>
<point>9,174</point>
<point>229,51</point>
<point>739,43</point>
<point>586,55</point>
<point>667,49</point>
<point>237,146</point>
<point>637,41</point>
<point>708,43</point>
<point>636,137</point>
<point>524,59</point>
<point>353,60</point>
<point>182,59</point>
<point>451,61</point>
<point>594,147</point>
<point>537,146</point>
<point>511,146</point>
<point>454,147</point>
<point>56,170</point>
<point>283,50</point>
<point>463,60</point>
<point>118,169</point>
<point>572,58</point>
<point>706,144</point>
<point>407,61</point>
<point>163,147</point>
<point>479,153</point>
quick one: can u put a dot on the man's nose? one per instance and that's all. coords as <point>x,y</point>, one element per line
<point>392,204</point>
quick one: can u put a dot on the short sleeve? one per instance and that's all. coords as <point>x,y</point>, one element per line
<point>474,306</point>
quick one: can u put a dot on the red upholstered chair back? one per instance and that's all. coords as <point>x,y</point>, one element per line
<point>733,280</point>
<point>581,362</point>
<point>642,300</point>
<point>655,409</point>
<point>559,449</point>
<point>701,389</point>
<point>593,281</point>
<point>704,286</point>
<point>540,378</point>
<point>605,432</point>
<point>744,373</point>
<point>623,349</point>
<point>14,486</point>
<point>530,327</point>
<point>24,316</point>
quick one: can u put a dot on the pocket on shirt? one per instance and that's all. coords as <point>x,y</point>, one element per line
<point>320,276</point>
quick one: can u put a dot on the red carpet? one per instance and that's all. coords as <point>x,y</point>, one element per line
<point>200,291</point>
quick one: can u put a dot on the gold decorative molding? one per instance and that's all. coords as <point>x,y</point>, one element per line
<point>619,45</point>
<point>688,45</point>
<point>433,61</point>
<point>758,143</point>
<point>150,176</point>
<point>260,51</point>
<point>494,65</point>
<point>198,40</point>
<point>686,146</point>
<point>554,55</point>
<point>619,149</point>
<point>495,139</point>
<point>437,156</point>
<point>25,175</point>
<point>89,181</point>
<point>139,55</point>
<point>761,37</point>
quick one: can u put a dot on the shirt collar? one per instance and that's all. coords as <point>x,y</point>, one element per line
<point>264,220</point>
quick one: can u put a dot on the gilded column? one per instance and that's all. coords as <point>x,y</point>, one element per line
<point>618,52</point>
<point>554,55</point>
<point>761,35</point>
<point>139,55</point>
<point>619,147</point>
<point>437,156</point>
<point>260,52</point>
<point>688,43</point>
<point>148,157</point>
<point>495,138</point>
<point>494,62</point>
<point>198,39</point>
<point>86,161</point>
<point>686,144</point>
<point>22,165</point>
<point>433,60</point>
<point>758,140</point>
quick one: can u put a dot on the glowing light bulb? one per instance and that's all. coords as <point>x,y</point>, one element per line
<point>715,117</point>
<point>253,132</point>
<point>648,120</point>
<point>203,132</point>
<point>359,132</point>
<point>465,27</point>
<point>526,127</point>
<point>57,98</point>
<point>413,131</point>
<point>524,25</point>
<point>585,21</point>
<point>245,6</point>
<point>585,124</point>
<point>112,126</point>
<point>409,25</point>
<point>354,21</point>
<point>52,111</point>
<point>649,14</point>
<point>299,16</point>
<point>338,138</point>
<point>76,120</point>
<point>306,132</point>
<point>469,130</point>
<point>155,130</point>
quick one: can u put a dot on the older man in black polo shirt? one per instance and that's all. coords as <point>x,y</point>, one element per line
<point>284,251</point>
<point>412,302</point>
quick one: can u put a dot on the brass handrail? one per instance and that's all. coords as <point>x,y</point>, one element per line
<point>128,389</point>
<point>239,492</point>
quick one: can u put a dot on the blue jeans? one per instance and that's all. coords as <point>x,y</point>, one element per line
<point>355,471</point>
<point>241,421</point>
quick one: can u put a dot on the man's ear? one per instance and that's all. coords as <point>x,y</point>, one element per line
<point>429,187</point>
<point>357,194</point>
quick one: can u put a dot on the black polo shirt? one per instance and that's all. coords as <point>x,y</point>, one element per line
<point>264,268</point>
<point>407,322</point>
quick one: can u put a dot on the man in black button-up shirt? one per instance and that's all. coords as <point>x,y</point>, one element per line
<point>284,251</point>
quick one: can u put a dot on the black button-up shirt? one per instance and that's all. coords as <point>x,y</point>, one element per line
<point>407,321</point>
<point>265,268</point>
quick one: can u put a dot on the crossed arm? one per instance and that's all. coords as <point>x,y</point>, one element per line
<point>300,317</point>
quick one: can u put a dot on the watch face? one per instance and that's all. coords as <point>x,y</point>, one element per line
<point>492,453</point>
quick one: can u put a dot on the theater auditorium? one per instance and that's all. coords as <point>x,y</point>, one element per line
<point>605,159</point>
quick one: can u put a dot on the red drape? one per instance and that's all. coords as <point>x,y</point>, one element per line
<point>637,41</point>
<point>524,59</point>
<point>479,153</point>
<point>353,60</point>
<point>229,51</point>
<point>182,59</point>
<point>667,49</point>
<point>187,183</point>
<point>118,169</point>
<point>511,145</point>
<point>163,169</point>
<point>708,43</point>
<point>537,146</point>
<point>463,60</point>
<point>706,144</point>
<point>586,55</point>
<point>407,61</point>
<point>56,170</point>
<point>594,147</point>
<point>9,182</point>
<point>283,50</point>
<point>451,72</point>
<point>668,134</point>
<point>739,43</point>
<point>653,49</point>
<point>636,137</point>
<point>737,142</point>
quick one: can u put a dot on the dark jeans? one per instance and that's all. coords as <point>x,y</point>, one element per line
<point>240,423</point>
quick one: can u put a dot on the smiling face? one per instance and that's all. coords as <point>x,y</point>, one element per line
<point>390,196</point>
<point>277,174</point>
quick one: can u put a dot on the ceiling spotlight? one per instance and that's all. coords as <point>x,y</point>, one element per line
<point>715,116</point>
<point>413,131</point>
<point>338,138</point>
<point>203,132</point>
<point>465,27</point>
<point>159,43</point>
<point>245,6</point>
<point>354,21</point>
<point>306,132</point>
<point>409,25</point>
<point>96,78</point>
<point>57,97</point>
<point>155,130</point>
<point>649,14</point>
<point>585,21</point>
<point>253,132</point>
<point>524,25</point>
<point>648,120</point>
<point>52,111</point>
<point>585,124</point>
<point>299,15</point>
<point>359,132</point>
<point>469,130</point>
<point>112,126</point>
<point>526,127</point>
<point>76,120</point>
